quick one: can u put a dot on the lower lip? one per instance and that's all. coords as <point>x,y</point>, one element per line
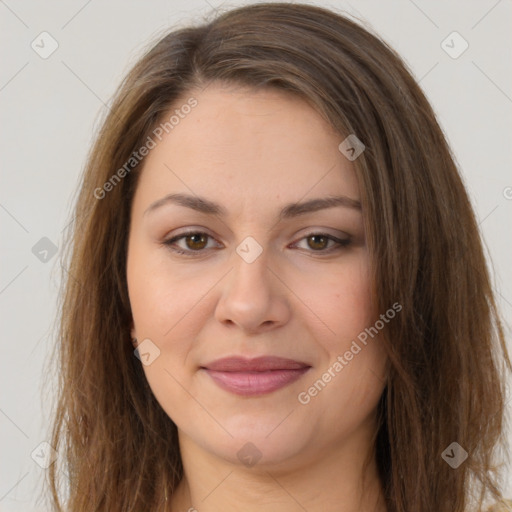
<point>255,383</point>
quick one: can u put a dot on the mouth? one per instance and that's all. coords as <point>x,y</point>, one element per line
<point>252,377</point>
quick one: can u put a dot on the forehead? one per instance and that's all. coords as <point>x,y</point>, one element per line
<point>259,143</point>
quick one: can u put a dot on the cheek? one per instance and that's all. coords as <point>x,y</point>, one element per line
<point>165,307</point>
<point>161,296</point>
<point>341,301</point>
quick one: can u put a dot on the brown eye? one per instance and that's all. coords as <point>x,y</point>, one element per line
<point>191,243</point>
<point>323,243</point>
<point>318,242</point>
<point>196,241</point>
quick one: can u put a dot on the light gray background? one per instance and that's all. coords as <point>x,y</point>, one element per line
<point>51,108</point>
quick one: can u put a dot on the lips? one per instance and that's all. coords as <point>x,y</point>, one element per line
<point>258,364</point>
<point>250,377</point>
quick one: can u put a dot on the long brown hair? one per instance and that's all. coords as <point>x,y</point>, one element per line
<point>446,348</point>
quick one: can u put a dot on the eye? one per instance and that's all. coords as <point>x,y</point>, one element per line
<point>195,243</point>
<point>319,242</point>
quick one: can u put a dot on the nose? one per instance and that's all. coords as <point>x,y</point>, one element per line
<point>253,297</point>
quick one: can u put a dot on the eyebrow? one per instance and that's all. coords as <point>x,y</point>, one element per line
<point>290,210</point>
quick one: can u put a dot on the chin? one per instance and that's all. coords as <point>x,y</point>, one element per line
<point>256,449</point>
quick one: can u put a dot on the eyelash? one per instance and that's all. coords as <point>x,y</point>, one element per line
<point>341,243</point>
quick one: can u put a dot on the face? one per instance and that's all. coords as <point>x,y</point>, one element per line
<point>255,269</point>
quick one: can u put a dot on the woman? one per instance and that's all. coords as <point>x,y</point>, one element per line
<point>278,295</point>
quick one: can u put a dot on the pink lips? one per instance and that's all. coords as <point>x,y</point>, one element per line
<point>249,377</point>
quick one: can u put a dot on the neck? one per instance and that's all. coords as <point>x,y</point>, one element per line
<point>332,481</point>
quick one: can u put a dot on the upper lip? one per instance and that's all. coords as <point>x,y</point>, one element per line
<point>257,364</point>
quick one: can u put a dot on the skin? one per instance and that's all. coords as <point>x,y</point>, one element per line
<point>254,152</point>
